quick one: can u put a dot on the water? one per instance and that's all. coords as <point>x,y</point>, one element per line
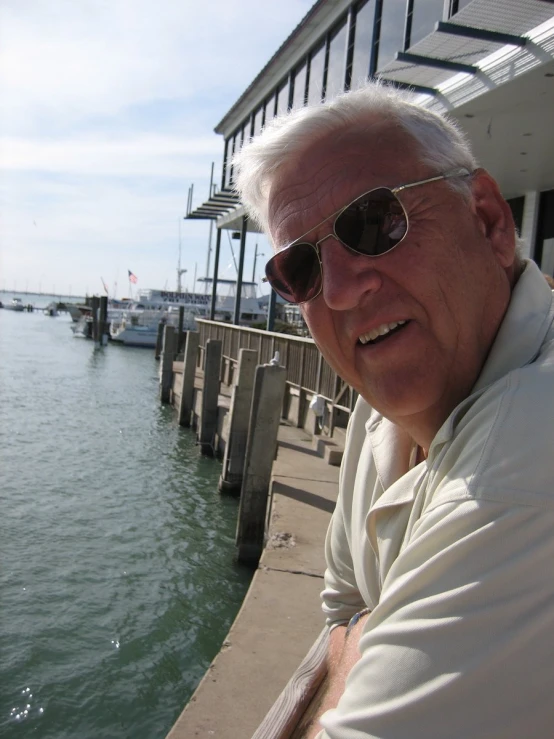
<point>117,580</point>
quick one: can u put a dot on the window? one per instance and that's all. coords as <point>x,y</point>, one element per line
<point>228,147</point>
<point>258,117</point>
<point>234,149</point>
<point>317,64</point>
<point>245,135</point>
<point>299,87</point>
<point>283,98</point>
<point>544,244</point>
<point>363,44</point>
<point>229,166</point>
<point>269,108</point>
<point>457,5</point>
<point>425,14</point>
<point>391,35</point>
<point>337,63</point>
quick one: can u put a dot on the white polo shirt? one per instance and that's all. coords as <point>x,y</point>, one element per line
<point>454,556</point>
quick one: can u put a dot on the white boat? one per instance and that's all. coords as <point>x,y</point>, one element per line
<point>76,311</point>
<point>80,328</point>
<point>139,325</point>
<point>134,334</point>
<point>15,304</point>
<point>51,309</point>
<point>135,322</point>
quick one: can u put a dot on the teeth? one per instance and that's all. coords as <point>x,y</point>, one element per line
<point>379,331</point>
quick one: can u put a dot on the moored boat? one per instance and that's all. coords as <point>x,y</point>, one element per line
<point>51,309</point>
<point>139,327</point>
<point>15,304</point>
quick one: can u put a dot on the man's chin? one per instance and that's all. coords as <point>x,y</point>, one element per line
<point>402,400</point>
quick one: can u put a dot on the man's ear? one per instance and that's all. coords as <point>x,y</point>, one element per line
<point>494,217</point>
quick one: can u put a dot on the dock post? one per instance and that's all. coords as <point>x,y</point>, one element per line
<point>180,337</point>
<point>239,415</point>
<point>159,340</point>
<point>189,372</point>
<point>267,402</point>
<point>95,304</point>
<point>210,392</point>
<point>103,327</point>
<point>166,367</point>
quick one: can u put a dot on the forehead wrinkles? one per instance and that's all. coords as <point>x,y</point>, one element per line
<point>303,198</point>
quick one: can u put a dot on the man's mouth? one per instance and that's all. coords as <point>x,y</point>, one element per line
<point>381,332</point>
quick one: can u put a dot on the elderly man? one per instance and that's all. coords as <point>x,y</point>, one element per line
<point>440,553</point>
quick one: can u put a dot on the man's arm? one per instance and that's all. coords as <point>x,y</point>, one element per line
<point>461,642</point>
<point>342,656</point>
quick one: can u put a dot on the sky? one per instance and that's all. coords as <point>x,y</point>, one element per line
<point>107,111</point>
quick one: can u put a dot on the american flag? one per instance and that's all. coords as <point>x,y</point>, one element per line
<point>132,278</point>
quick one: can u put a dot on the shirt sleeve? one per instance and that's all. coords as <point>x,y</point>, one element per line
<point>461,643</point>
<point>341,597</point>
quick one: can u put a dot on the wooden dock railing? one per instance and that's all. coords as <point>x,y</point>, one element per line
<point>296,707</point>
<point>308,374</point>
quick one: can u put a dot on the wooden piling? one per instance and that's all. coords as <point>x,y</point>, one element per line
<point>95,304</point>
<point>166,366</point>
<point>103,326</point>
<point>189,372</point>
<point>180,337</point>
<point>210,392</point>
<point>267,402</point>
<point>159,340</point>
<point>239,414</point>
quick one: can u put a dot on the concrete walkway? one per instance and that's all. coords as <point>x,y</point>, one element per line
<point>281,616</point>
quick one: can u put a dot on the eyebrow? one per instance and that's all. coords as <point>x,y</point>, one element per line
<point>460,172</point>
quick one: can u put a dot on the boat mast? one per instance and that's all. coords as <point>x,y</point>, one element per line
<point>179,270</point>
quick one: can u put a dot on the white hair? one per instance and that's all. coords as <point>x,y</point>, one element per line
<point>442,146</point>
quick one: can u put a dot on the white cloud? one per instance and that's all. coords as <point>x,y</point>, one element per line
<point>106,116</point>
<point>140,155</point>
<point>91,58</point>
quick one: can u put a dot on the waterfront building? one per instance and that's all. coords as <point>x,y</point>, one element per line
<point>488,63</point>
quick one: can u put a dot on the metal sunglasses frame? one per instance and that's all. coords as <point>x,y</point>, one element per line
<point>460,172</point>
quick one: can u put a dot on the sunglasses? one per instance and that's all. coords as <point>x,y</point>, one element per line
<point>372,225</point>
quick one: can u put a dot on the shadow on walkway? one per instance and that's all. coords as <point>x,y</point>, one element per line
<point>303,496</point>
<point>298,448</point>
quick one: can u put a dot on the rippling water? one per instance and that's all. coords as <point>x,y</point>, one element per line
<point>117,579</point>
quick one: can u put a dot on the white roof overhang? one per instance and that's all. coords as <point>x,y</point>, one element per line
<point>494,72</point>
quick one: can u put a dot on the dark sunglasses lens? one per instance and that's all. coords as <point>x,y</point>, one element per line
<point>373,224</point>
<point>295,274</point>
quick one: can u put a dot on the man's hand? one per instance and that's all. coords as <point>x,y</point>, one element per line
<point>343,655</point>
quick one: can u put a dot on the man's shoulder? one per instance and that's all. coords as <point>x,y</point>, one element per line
<point>502,448</point>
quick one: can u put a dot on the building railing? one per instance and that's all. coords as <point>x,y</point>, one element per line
<point>308,373</point>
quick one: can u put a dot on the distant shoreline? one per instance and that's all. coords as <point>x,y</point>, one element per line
<point>15,293</point>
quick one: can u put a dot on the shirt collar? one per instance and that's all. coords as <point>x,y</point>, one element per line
<point>521,334</point>
<point>519,339</point>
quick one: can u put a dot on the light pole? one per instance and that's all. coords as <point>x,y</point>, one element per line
<point>256,255</point>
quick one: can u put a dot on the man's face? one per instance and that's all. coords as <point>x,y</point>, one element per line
<point>447,285</point>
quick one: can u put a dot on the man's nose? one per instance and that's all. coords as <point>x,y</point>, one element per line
<point>347,276</point>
